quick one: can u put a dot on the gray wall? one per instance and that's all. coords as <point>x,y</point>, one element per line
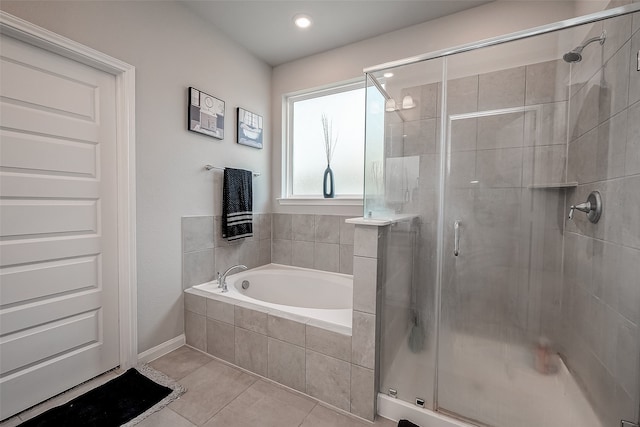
<point>172,49</point>
<point>601,294</point>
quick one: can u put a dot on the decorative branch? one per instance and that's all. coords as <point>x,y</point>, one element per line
<point>329,142</point>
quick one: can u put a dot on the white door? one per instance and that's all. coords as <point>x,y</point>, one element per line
<point>58,225</point>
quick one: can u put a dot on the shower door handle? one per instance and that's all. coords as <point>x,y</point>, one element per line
<point>456,237</point>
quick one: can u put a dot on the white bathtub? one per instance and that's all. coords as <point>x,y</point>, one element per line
<point>311,294</point>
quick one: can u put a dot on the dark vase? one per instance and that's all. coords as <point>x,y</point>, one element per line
<point>327,183</point>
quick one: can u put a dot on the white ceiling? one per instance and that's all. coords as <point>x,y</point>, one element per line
<point>266,27</point>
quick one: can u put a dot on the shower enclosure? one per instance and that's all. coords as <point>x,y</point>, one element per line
<point>497,308</point>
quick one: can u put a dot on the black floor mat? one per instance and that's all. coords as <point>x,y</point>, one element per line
<point>110,405</point>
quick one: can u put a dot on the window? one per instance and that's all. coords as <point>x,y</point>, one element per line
<point>305,148</point>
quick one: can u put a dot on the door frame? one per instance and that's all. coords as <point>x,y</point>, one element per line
<point>124,74</point>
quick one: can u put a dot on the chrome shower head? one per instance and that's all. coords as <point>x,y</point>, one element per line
<point>576,54</point>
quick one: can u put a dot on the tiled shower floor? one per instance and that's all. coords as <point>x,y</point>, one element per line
<point>221,395</point>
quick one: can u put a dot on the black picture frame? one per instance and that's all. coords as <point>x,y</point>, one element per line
<point>206,114</point>
<point>250,128</point>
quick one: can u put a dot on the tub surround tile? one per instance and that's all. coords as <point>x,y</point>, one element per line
<point>303,227</point>
<point>198,267</point>
<point>365,279</point>
<point>227,256</point>
<point>195,303</point>
<point>251,319</point>
<point>210,388</point>
<point>302,254</point>
<point>363,392</point>
<point>346,231</point>
<point>221,340</point>
<point>286,330</point>
<point>264,252</point>
<point>346,259</point>
<point>180,363</point>
<point>286,364</point>
<point>197,233</point>
<point>194,330</point>
<point>326,257</point>
<point>328,379</point>
<point>251,351</point>
<point>220,311</point>
<point>363,340</point>
<point>265,226</point>
<point>282,227</point>
<point>248,254</point>
<point>330,343</point>
<point>327,229</point>
<point>281,252</point>
<point>365,240</point>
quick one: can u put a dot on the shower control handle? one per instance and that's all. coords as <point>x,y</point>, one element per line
<point>582,207</point>
<point>592,207</point>
<point>456,237</point>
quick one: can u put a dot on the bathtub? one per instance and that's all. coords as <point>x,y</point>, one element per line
<point>311,295</point>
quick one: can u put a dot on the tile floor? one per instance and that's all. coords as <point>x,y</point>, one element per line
<point>222,395</point>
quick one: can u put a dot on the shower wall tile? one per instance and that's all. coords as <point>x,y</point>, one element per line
<point>632,152</point>
<point>631,212</point>
<point>303,227</point>
<point>197,233</point>
<point>547,82</point>
<point>582,158</point>
<point>462,95</point>
<point>286,364</point>
<point>618,33</point>
<point>583,71</point>
<point>614,95</point>
<point>544,164</point>
<point>326,257</point>
<point>463,169</point>
<point>501,89</point>
<point>327,229</point>
<point>547,125</point>
<point>585,104</point>
<point>221,340</point>
<point>302,254</point>
<point>197,268</point>
<point>328,379</point>
<point>464,134</point>
<point>420,137</point>
<point>610,152</point>
<point>251,351</point>
<point>500,168</point>
<point>501,131</point>
<point>634,74</point>
<point>346,259</point>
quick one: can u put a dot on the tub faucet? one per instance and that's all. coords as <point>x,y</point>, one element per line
<point>222,281</point>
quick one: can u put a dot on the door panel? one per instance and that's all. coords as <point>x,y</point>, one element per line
<point>58,225</point>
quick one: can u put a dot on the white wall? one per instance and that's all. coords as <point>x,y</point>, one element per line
<point>493,19</point>
<point>172,49</point>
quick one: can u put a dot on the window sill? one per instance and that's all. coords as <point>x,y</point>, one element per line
<point>320,201</point>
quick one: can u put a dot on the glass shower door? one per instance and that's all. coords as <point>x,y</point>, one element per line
<point>506,131</point>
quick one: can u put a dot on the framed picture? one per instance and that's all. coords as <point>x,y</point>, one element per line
<point>249,128</point>
<point>206,114</point>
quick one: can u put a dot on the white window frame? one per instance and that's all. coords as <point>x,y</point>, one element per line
<point>288,198</point>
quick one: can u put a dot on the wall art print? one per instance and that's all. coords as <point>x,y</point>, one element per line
<point>206,114</point>
<point>250,128</point>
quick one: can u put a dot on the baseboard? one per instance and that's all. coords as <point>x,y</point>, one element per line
<point>161,349</point>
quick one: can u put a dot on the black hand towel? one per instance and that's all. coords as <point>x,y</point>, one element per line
<point>237,204</point>
<point>406,423</point>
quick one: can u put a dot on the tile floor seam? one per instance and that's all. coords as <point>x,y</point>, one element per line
<point>232,400</point>
<point>307,416</point>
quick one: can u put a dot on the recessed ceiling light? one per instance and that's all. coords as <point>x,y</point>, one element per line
<point>302,21</point>
<point>388,75</point>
